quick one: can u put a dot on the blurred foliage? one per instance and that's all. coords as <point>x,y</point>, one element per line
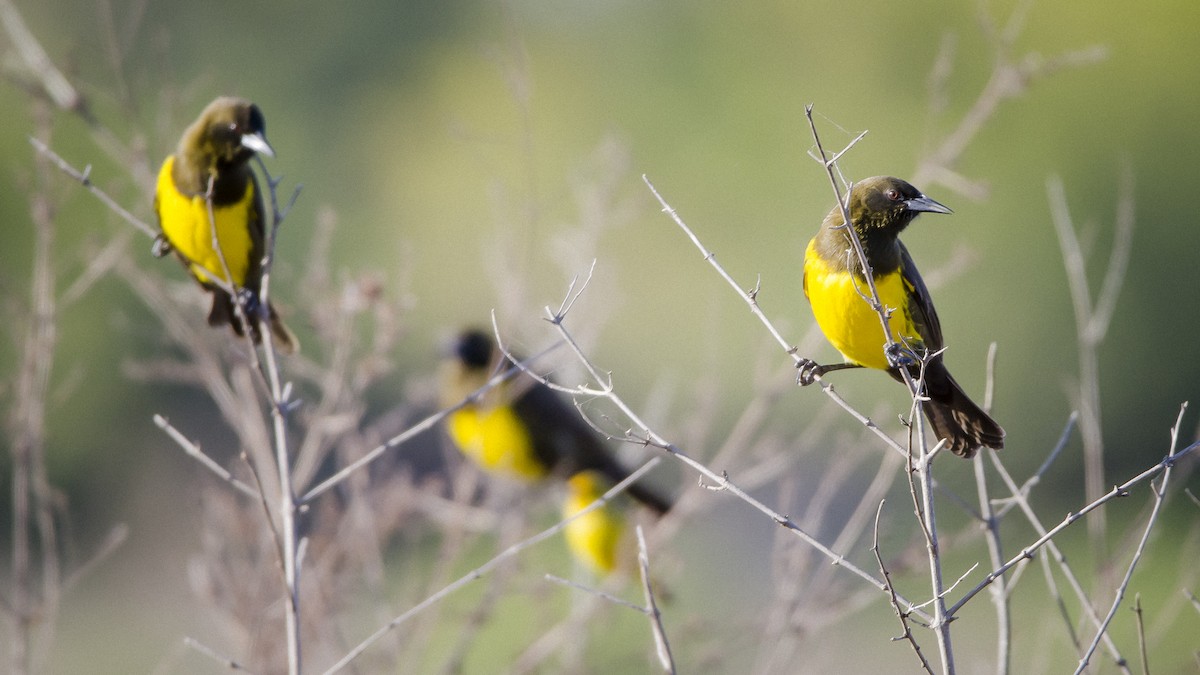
<point>456,141</point>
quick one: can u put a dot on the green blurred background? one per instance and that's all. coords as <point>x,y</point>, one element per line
<point>449,135</point>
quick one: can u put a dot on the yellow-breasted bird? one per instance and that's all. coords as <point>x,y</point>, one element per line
<point>522,429</point>
<point>211,166</point>
<point>880,208</point>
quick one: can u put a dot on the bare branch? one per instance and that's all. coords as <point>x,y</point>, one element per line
<point>418,428</point>
<point>490,565</point>
<point>662,647</point>
<point>1158,497</point>
<point>213,654</point>
<point>648,437</point>
<point>900,614</point>
<point>1141,632</point>
<point>1118,491</point>
<point>606,596</point>
<point>193,450</point>
<point>85,180</point>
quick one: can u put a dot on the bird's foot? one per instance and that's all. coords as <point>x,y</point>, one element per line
<point>807,372</point>
<point>248,299</point>
<point>900,357</point>
<point>160,247</point>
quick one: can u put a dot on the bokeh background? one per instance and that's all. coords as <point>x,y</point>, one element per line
<point>462,147</point>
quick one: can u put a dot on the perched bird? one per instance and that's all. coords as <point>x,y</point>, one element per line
<point>208,183</point>
<point>522,429</point>
<point>880,208</point>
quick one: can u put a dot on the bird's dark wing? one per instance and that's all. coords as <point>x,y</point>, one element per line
<point>541,412</point>
<point>566,444</point>
<point>920,303</point>
<point>256,227</point>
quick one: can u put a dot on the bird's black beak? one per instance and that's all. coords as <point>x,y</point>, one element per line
<point>926,204</point>
<point>258,143</point>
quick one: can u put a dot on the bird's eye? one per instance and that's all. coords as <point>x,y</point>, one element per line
<point>892,193</point>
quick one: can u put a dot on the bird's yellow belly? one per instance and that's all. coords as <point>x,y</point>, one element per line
<point>847,319</point>
<point>496,440</point>
<point>187,225</point>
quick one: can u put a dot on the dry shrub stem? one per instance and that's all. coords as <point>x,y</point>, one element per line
<point>661,646</point>
<point>1158,494</point>
<point>36,593</point>
<point>1092,320</point>
<point>906,633</point>
<point>489,566</point>
<point>640,433</point>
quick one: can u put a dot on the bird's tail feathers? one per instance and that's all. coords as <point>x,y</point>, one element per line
<point>963,424</point>
<point>649,498</point>
<point>224,313</point>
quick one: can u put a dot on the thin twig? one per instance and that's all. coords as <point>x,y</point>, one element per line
<point>84,179</point>
<point>1085,602</point>
<point>213,654</point>
<point>54,83</point>
<point>1141,632</point>
<point>719,482</point>
<point>488,566</point>
<point>288,506</point>
<point>1061,603</point>
<point>661,646</point>
<point>193,450</point>
<point>1092,319</point>
<point>999,590</point>
<point>900,614</point>
<point>868,275</point>
<point>1159,495</point>
<point>1118,491</point>
<point>605,595</point>
<point>924,467</point>
<point>419,428</point>
<point>36,594</point>
<point>1026,487</point>
<point>1193,599</point>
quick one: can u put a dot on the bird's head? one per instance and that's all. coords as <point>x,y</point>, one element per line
<point>470,361</point>
<point>232,130</point>
<point>474,349</point>
<point>884,204</point>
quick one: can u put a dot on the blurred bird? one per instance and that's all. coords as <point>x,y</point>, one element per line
<point>211,167</point>
<point>522,429</point>
<point>880,208</point>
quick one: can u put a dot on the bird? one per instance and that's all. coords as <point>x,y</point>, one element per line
<point>880,209</point>
<point>523,430</point>
<point>208,182</point>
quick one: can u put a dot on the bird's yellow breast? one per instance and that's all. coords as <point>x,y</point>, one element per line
<point>495,439</point>
<point>846,317</point>
<point>187,225</point>
<point>593,537</point>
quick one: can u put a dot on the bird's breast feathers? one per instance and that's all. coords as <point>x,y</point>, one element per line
<point>187,225</point>
<point>496,440</point>
<point>840,305</point>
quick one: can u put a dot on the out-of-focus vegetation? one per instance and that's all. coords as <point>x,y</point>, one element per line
<point>478,155</point>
